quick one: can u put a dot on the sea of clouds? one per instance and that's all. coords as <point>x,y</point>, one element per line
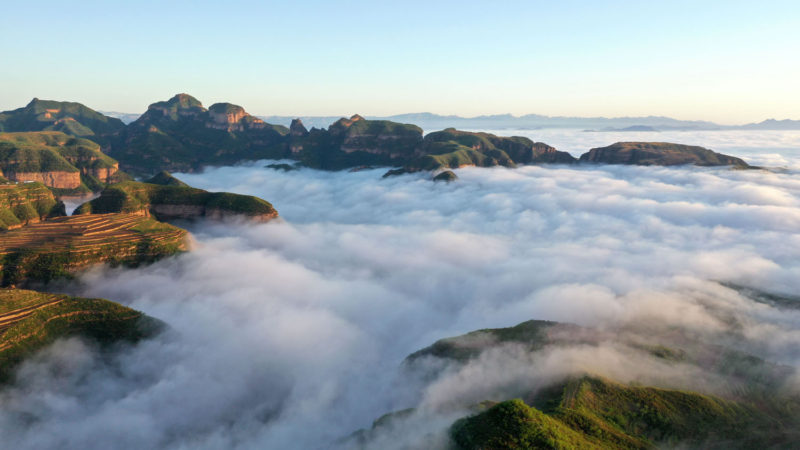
<point>292,334</point>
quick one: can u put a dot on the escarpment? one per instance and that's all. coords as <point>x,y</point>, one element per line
<point>170,200</point>
<point>56,160</point>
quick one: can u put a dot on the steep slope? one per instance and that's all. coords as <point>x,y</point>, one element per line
<point>591,412</point>
<point>181,135</point>
<point>31,320</point>
<point>70,118</point>
<point>659,154</point>
<point>354,142</point>
<point>59,161</point>
<point>26,203</point>
<point>171,201</point>
<point>58,247</point>
<point>451,148</point>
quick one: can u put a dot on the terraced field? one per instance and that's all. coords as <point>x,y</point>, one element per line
<point>56,248</point>
<point>30,320</point>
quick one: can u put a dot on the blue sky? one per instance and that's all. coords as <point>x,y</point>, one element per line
<point>727,61</point>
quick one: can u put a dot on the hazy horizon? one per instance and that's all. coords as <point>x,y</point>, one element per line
<point>720,61</point>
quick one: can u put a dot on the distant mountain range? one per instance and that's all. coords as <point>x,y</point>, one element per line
<point>430,121</point>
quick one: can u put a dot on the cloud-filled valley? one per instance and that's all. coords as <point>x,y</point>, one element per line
<point>292,334</point>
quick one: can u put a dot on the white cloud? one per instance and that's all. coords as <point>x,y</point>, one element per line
<point>291,334</point>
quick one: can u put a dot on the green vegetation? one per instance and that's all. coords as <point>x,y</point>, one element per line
<point>67,117</point>
<point>533,333</point>
<point>659,154</point>
<point>451,148</point>
<point>165,178</point>
<point>446,176</point>
<point>181,135</point>
<point>31,320</point>
<point>175,201</point>
<point>26,202</point>
<point>65,163</point>
<point>56,248</point>
<point>591,412</point>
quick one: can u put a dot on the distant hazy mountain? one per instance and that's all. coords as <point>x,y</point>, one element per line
<point>431,122</point>
<point>126,118</point>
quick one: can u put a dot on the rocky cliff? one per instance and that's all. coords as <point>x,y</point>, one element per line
<point>174,201</point>
<point>181,135</point>
<point>55,159</point>
<point>659,154</point>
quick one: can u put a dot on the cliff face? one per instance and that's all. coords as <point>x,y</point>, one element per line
<point>659,154</point>
<point>181,135</point>
<point>22,204</point>
<point>55,159</point>
<point>56,179</point>
<point>170,202</point>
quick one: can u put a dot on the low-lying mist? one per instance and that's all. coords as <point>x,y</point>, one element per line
<point>292,334</point>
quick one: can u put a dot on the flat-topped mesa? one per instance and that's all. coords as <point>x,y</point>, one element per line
<point>31,320</point>
<point>55,159</point>
<point>171,201</point>
<point>659,154</point>
<point>57,248</point>
<point>26,203</point>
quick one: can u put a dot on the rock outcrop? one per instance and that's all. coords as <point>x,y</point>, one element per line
<point>659,154</point>
<point>181,135</point>
<point>55,159</point>
<point>170,202</point>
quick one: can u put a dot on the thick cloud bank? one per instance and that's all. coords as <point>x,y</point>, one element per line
<point>291,334</point>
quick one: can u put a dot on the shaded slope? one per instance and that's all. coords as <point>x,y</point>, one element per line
<point>58,160</point>
<point>68,117</point>
<point>172,201</point>
<point>659,154</point>
<point>591,412</point>
<point>30,320</point>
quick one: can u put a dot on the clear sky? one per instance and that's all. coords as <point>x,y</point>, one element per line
<point>727,61</point>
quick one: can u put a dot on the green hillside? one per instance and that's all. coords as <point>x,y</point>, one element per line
<point>659,154</point>
<point>31,320</point>
<point>453,148</point>
<point>67,117</point>
<point>63,162</point>
<point>26,202</point>
<point>175,201</point>
<point>594,413</point>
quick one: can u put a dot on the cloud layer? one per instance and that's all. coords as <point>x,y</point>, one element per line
<point>291,334</point>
